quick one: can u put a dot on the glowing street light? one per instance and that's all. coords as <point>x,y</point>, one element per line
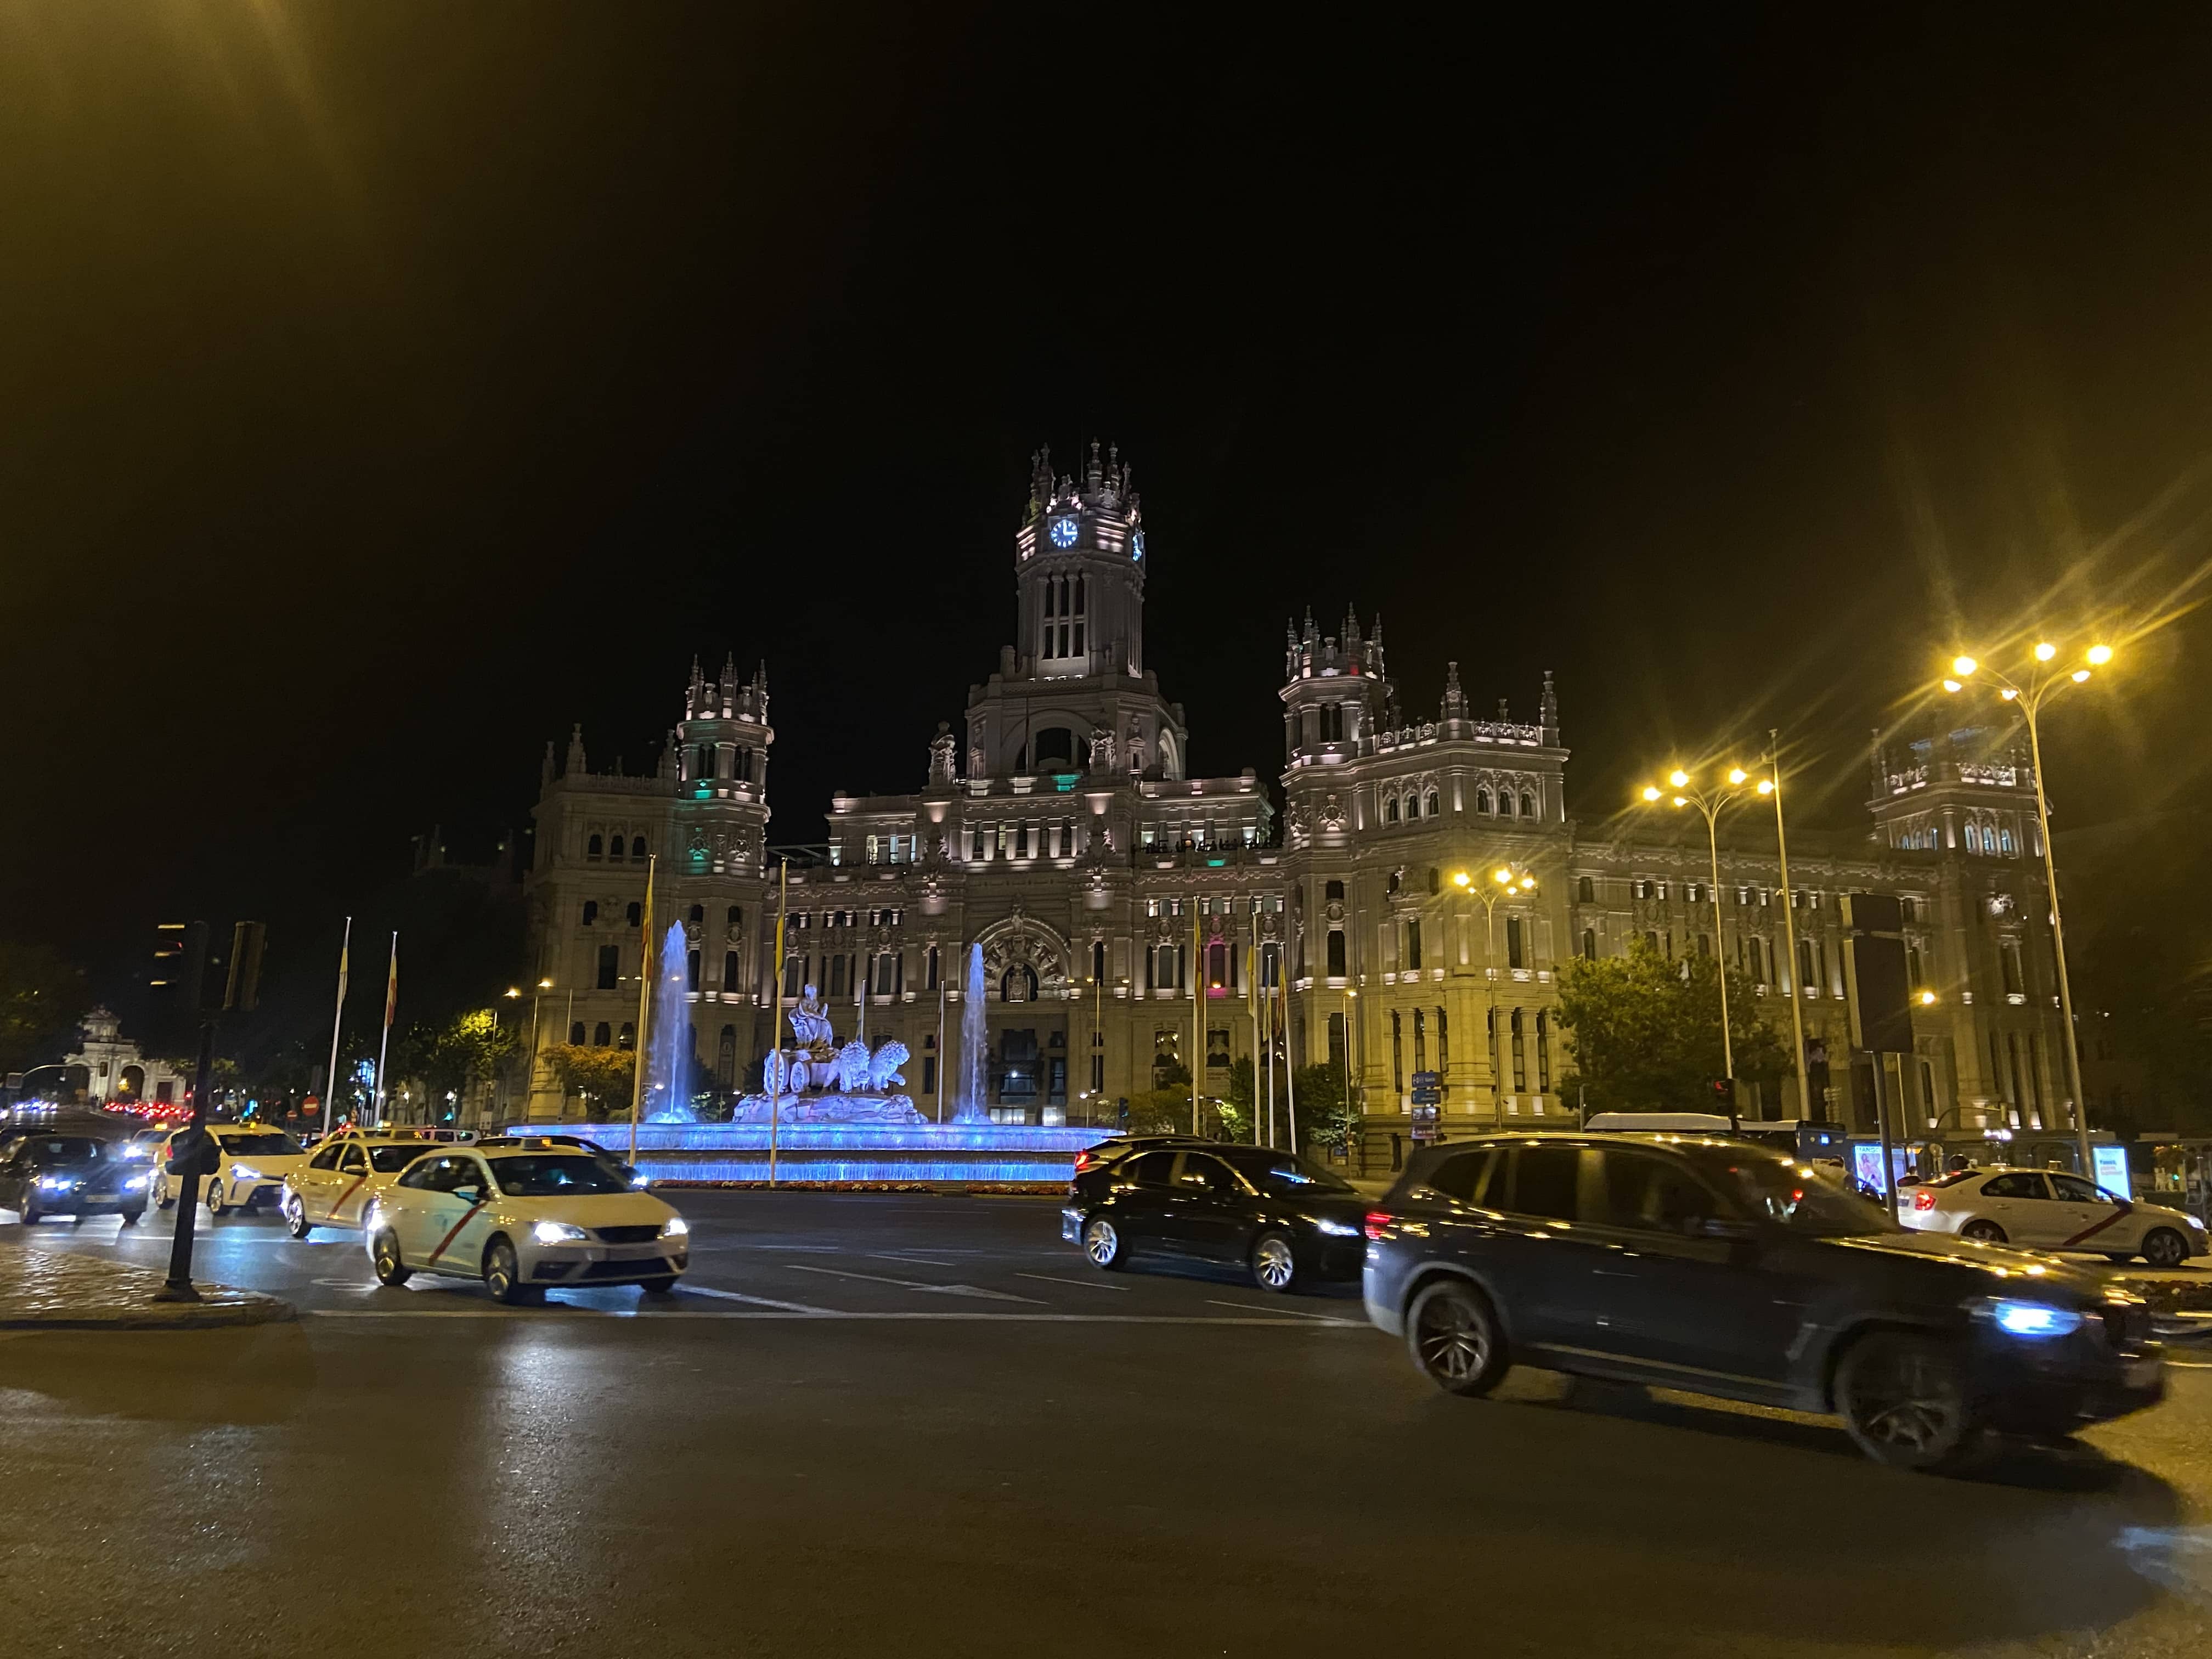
<point>2041,684</point>
<point>1710,804</point>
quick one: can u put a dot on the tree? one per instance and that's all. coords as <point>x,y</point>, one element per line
<point>604,1074</point>
<point>1646,1033</point>
<point>1237,1110</point>
<point>42,999</point>
<point>468,1050</point>
<point>1325,1119</point>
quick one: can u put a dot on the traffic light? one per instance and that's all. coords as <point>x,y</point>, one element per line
<point>243,987</point>
<point>1724,1095</point>
<point>178,984</point>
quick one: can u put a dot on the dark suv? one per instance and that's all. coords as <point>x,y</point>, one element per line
<point>44,1175</point>
<point>1724,1269</point>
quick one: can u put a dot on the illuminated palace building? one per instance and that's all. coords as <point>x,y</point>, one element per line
<point>1059,828</point>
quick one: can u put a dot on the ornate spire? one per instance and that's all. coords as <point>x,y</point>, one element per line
<point>1504,713</point>
<point>575,767</point>
<point>1454,703</point>
<point>545,771</point>
<point>1548,710</point>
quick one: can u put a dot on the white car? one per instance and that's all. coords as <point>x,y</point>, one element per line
<point>2050,1210</point>
<point>252,1164</point>
<point>337,1183</point>
<point>524,1219</point>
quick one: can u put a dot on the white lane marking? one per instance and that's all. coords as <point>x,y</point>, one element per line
<point>1092,1284</point>
<point>1254,1307</point>
<point>912,1261</point>
<point>915,1283</point>
<point>977,1317</point>
<point>2191,1365</point>
<point>757,1301</point>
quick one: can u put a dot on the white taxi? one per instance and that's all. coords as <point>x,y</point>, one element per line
<point>524,1219</point>
<point>252,1163</point>
<point>335,1184</point>
<point>2050,1210</point>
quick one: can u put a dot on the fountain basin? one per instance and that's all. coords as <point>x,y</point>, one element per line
<point>984,1154</point>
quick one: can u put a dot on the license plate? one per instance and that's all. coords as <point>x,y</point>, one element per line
<point>2145,1373</point>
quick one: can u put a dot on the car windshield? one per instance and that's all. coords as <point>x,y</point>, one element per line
<point>552,1174</point>
<point>56,1149</point>
<point>386,1160</point>
<point>1286,1176</point>
<point>1791,1194</point>
<point>261,1143</point>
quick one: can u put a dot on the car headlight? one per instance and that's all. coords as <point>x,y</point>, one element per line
<point>1341,1229</point>
<point>56,1183</point>
<point>137,1183</point>
<point>2194,1222</point>
<point>2034,1319</point>
<point>639,1182</point>
<point>558,1232</point>
<point>244,1172</point>
<point>675,1227</point>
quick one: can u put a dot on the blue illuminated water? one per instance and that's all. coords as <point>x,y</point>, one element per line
<point>975,1106</point>
<point>981,1153</point>
<point>668,1057</point>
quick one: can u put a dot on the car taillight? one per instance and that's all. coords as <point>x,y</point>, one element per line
<point>1083,1162</point>
<point>1923,1200</point>
<point>1376,1221</point>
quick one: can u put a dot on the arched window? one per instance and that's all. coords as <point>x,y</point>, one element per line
<point>1973,837</point>
<point>1805,975</point>
<point>1098,959</point>
<point>691,970</point>
<point>1019,984</point>
<point>1390,808</point>
<point>1435,806</point>
<point>736,917</point>
<point>1585,891</point>
<point>594,849</point>
<point>576,1035</point>
<point>1055,748</point>
<point>1505,803</point>
<point>603,1035</point>
<point>726,1058</point>
<point>729,970</point>
<point>2004,843</point>
<point>590,911</point>
<point>627,1037</point>
<point>615,848</point>
<point>1528,804</point>
<point>637,847</point>
<point>1482,800</point>
<point>1590,944</point>
<point>636,913</point>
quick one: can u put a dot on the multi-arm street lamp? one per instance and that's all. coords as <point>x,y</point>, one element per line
<point>2044,679</point>
<point>1506,881</point>
<point>1710,801</point>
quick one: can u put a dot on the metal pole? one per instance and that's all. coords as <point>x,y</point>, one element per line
<point>384,1042</point>
<point>1720,960</point>
<point>944,1070</point>
<point>775,1018</point>
<point>330,1076</point>
<point>1806,1110</point>
<point>1889,1158</point>
<point>2059,943</point>
<point>1493,1039</point>
<point>1290,1079</point>
<point>645,971</point>
<point>1197,1011</point>
<point>1252,1003</point>
<point>178,1287</point>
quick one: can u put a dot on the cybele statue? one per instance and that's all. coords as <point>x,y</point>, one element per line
<point>814,1081</point>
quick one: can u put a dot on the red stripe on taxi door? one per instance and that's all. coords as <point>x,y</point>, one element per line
<point>348,1193</point>
<point>2091,1232</point>
<point>457,1227</point>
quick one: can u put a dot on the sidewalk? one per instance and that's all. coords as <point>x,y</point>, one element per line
<point>60,1290</point>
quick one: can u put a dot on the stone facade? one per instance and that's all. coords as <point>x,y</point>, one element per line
<point>1057,826</point>
<point>116,1072</point>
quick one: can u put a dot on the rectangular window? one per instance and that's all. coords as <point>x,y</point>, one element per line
<point>1414,944</point>
<point>691,970</point>
<point>1420,1040</point>
<point>931,968</point>
<point>1397,1055</point>
<point>1514,951</point>
<point>2008,956</point>
<point>610,966</point>
<point>1336,953</point>
<point>1543,1052</point>
<point>837,975</point>
<point>1520,1055</point>
<point>929,1075</point>
<point>1443,1044</point>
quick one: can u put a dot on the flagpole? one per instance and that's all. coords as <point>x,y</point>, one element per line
<point>941,1072</point>
<point>776,1023</point>
<point>1267,993</point>
<point>330,1076</point>
<point>1197,1011</point>
<point>644,1008</point>
<point>384,1042</point>
<point>1252,1006</point>
<point>1290,1079</point>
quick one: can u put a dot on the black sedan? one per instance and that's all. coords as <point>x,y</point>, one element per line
<point>45,1174</point>
<point>1289,1222</point>
<point>1727,1269</point>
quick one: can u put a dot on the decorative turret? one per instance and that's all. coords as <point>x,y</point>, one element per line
<point>1080,568</point>
<point>1334,693</point>
<point>1547,713</point>
<point>1454,707</point>
<point>575,767</point>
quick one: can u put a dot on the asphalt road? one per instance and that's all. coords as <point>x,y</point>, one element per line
<point>921,1425</point>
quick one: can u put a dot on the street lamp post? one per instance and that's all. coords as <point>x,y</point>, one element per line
<point>1709,803</point>
<point>1771,784</point>
<point>1505,881</point>
<point>2045,681</point>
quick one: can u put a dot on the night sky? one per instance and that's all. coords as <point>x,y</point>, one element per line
<point>386,386</point>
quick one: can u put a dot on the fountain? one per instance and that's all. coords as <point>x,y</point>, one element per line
<point>836,1115</point>
<point>668,1056</point>
<point>975,1045</point>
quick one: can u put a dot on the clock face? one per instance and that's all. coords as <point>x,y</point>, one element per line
<point>1137,543</point>
<point>1063,532</point>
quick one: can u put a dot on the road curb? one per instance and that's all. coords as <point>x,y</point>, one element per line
<point>45,1290</point>
<point>219,1308</point>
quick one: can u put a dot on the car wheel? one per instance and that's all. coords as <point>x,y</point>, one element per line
<point>384,1256</point>
<point>1983,1232</point>
<point>664,1286</point>
<point>1101,1243</point>
<point>161,1199</point>
<point>1904,1400</point>
<point>132,1218</point>
<point>295,1218</point>
<point>214,1198</point>
<point>2162,1247</point>
<point>502,1277</point>
<point>1275,1262</point>
<point>1454,1335</point>
<point>27,1211</point>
